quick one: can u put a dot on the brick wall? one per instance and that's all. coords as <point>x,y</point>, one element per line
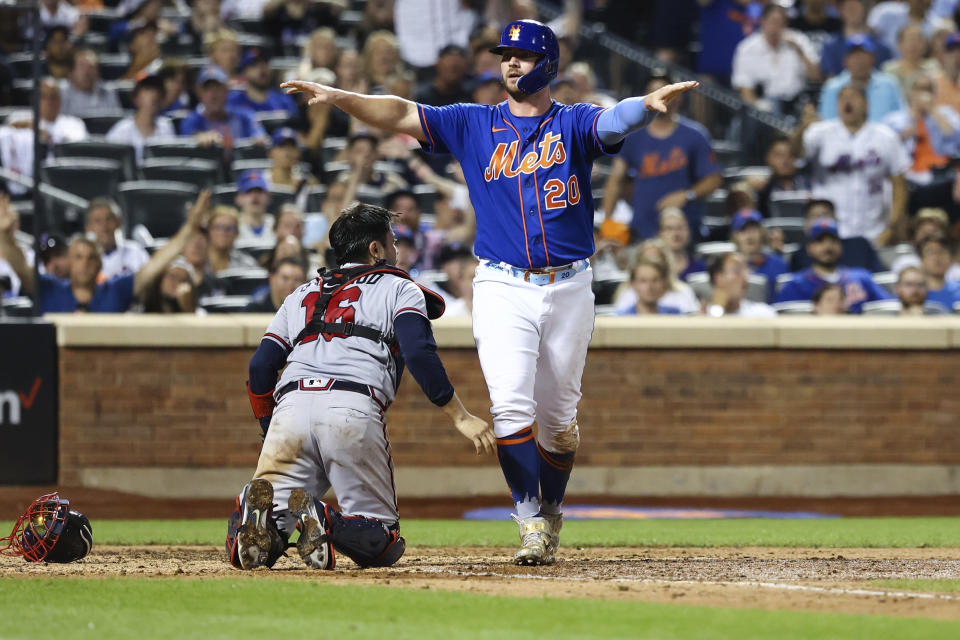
<point>181,407</point>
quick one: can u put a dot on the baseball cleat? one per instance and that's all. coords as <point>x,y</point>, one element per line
<point>535,542</point>
<point>259,542</point>
<point>314,545</point>
<point>554,524</point>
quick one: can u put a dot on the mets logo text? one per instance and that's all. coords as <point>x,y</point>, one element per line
<point>515,33</point>
<point>505,156</point>
<point>12,403</point>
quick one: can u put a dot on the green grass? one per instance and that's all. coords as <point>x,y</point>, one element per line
<point>233,608</point>
<point>941,585</point>
<point>835,533</point>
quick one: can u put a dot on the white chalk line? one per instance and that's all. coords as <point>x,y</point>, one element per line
<point>719,583</point>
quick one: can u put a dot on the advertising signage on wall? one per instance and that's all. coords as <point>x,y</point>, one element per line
<point>28,403</point>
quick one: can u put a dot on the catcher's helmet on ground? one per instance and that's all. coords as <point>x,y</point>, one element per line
<point>537,37</point>
<point>49,531</point>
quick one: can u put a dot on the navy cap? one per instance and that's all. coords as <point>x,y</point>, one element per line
<point>822,227</point>
<point>284,134</point>
<point>860,41</point>
<point>251,179</point>
<point>252,56</point>
<point>744,217</point>
<point>213,74</point>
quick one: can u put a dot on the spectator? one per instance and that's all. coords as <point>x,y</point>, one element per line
<point>320,51</point>
<point>888,19</point>
<point>882,90</point>
<point>196,253</point>
<point>649,282</point>
<point>748,234</point>
<point>407,254</point>
<point>488,90</point>
<point>85,93</point>
<point>817,23</point>
<point>285,167</point>
<point>223,50</point>
<point>784,176</point>
<point>427,241</point>
<point>828,301</point>
<point>679,294</point>
<point>212,117</point>
<point>223,229</point>
<point>936,256</point>
<point>258,94</point>
<point>774,64</point>
<point>927,222</point>
<point>675,235</point>
<point>728,277</point>
<point>285,276</point>
<point>174,291</point>
<point>59,13</point>
<point>460,271</point>
<point>53,256</point>
<point>930,132</point>
<point>674,165</point>
<point>381,59</point>
<point>853,13</point>
<point>349,72</point>
<point>287,23</point>
<point>82,292</point>
<point>824,248</point>
<point>911,290</point>
<point>426,27</point>
<point>948,80</point>
<point>145,124</point>
<point>253,199</point>
<point>361,154</point>
<point>289,239</point>
<point>119,257</point>
<point>290,222</point>
<point>723,24</point>
<point>851,159</point>
<point>913,60</point>
<point>449,80</point>
<point>856,251</point>
<point>242,9</point>
<point>173,73</point>
<point>143,46</point>
<point>204,18</point>
<point>584,84</point>
<point>57,53</point>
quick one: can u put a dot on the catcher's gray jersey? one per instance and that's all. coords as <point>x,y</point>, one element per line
<point>373,300</point>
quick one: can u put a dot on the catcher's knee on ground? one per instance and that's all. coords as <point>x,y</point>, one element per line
<point>367,541</point>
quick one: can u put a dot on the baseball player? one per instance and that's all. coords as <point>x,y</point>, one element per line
<point>527,163</point>
<point>344,338</point>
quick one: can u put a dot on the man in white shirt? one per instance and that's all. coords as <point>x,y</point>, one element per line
<point>84,94</point>
<point>120,257</point>
<point>145,124</point>
<point>729,277</point>
<point>775,63</point>
<point>852,161</point>
<point>424,27</point>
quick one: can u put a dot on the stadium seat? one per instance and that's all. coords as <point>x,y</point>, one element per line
<point>788,204</point>
<point>114,65</point>
<point>202,173</point>
<point>881,308</point>
<point>699,281</point>
<point>242,282</point>
<point>272,120</point>
<point>782,280</point>
<point>956,307</point>
<point>181,148</point>
<point>316,197</point>
<point>100,123</point>
<point>224,304</point>
<point>83,176</point>
<point>757,287</point>
<point>706,249</point>
<point>254,248</point>
<point>717,228</point>
<point>101,148</point>
<point>716,205</point>
<point>934,309</point>
<point>249,150</point>
<point>728,153</point>
<point>370,195</point>
<point>332,170</point>
<point>426,195</point>
<point>19,307</point>
<point>886,279</point>
<point>281,195</point>
<point>889,255</point>
<point>794,308</point>
<point>160,206</point>
<point>733,175</point>
<point>22,65</point>
<point>601,310</point>
<point>225,194</point>
<point>331,148</point>
<point>792,228</point>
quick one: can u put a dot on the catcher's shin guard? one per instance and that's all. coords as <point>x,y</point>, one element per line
<point>314,544</point>
<point>367,541</point>
<point>253,539</point>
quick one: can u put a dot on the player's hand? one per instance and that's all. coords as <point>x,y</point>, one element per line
<point>659,99</point>
<point>478,432</point>
<point>316,92</point>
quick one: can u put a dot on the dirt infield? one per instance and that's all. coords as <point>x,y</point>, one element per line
<point>835,580</point>
<point>97,504</point>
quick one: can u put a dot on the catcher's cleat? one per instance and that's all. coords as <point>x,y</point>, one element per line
<point>536,541</point>
<point>554,524</point>
<point>259,542</point>
<point>314,545</point>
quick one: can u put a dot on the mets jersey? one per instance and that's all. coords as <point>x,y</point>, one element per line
<point>528,177</point>
<point>851,169</point>
<point>374,300</point>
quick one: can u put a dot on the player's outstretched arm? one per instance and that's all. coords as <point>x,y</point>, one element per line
<point>383,112</point>
<point>632,114</point>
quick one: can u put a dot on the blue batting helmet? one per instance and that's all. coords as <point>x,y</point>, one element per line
<point>537,37</point>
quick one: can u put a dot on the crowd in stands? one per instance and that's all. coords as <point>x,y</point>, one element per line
<point>855,212</point>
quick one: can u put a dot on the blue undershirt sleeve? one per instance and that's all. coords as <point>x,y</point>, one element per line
<point>625,117</point>
<point>264,366</point>
<point>419,351</point>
